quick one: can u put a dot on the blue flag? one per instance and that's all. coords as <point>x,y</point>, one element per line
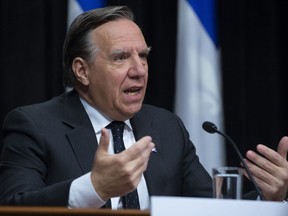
<point>76,7</point>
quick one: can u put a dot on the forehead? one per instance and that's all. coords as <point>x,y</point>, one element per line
<point>119,32</point>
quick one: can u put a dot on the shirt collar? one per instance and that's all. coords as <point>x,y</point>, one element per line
<point>99,120</point>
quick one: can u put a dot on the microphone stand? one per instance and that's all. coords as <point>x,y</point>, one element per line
<point>243,162</point>
<point>212,128</point>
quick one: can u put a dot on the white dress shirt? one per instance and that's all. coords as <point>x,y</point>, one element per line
<point>82,193</point>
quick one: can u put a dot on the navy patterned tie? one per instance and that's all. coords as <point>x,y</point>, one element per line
<point>130,200</point>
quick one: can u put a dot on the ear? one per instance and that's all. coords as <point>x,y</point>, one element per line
<point>81,70</point>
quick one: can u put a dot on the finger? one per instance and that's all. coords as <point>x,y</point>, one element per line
<point>137,165</point>
<point>283,147</point>
<point>269,184</point>
<point>264,186</point>
<point>261,166</point>
<point>255,158</point>
<point>104,140</point>
<point>257,173</point>
<point>269,154</point>
<point>143,146</point>
<point>142,161</point>
<point>138,157</point>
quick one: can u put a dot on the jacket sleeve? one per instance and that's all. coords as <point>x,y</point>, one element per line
<point>196,180</point>
<point>24,165</point>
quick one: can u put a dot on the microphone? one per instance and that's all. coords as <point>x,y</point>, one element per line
<point>212,128</point>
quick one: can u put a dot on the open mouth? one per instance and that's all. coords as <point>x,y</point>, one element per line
<point>133,91</point>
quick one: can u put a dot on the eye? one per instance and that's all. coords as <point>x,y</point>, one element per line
<point>120,58</point>
<point>143,55</point>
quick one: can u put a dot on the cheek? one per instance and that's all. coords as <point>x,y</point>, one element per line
<point>109,85</point>
<point>100,76</point>
<point>146,78</point>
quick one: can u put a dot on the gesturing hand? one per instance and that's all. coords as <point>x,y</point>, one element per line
<point>118,174</point>
<point>270,170</point>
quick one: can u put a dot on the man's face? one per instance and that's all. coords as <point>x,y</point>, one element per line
<point>118,77</point>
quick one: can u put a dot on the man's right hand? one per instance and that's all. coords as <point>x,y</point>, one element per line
<point>118,174</point>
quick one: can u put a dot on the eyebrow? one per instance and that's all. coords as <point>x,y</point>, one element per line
<point>121,51</point>
<point>147,50</point>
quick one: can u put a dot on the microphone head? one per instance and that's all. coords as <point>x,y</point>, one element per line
<point>209,127</point>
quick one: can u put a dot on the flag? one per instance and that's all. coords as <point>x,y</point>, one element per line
<point>198,78</point>
<point>76,7</point>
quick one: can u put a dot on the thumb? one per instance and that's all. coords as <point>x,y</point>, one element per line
<point>283,147</point>
<point>104,141</point>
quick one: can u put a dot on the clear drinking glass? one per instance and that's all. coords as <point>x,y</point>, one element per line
<point>227,182</point>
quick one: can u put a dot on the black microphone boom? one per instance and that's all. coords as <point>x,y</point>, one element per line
<point>212,128</point>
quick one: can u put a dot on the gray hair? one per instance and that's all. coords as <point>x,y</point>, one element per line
<point>78,42</point>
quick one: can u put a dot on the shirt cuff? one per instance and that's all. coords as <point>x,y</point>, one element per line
<point>83,195</point>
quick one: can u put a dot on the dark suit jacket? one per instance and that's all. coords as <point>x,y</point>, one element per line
<point>46,146</point>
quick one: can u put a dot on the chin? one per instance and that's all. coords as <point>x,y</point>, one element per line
<point>131,111</point>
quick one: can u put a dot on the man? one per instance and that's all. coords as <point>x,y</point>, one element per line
<point>61,152</point>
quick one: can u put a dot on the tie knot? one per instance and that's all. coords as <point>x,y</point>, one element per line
<point>116,127</point>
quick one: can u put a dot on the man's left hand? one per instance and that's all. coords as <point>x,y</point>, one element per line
<point>270,170</point>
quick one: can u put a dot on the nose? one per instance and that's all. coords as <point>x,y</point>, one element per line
<point>138,67</point>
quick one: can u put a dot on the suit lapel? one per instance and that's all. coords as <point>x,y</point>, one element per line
<point>155,172</point>
<point>81,136</point>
